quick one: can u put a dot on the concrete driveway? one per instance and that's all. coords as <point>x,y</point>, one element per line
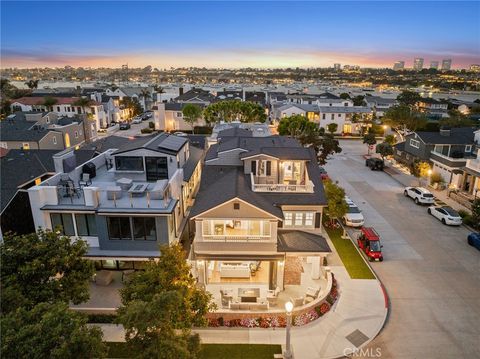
<point>431,274</point>
<point>134,130</point>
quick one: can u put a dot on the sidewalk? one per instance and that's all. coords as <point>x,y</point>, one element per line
<point>355,319</point>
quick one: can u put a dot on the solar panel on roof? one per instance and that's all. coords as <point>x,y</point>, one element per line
<point>173,143</point>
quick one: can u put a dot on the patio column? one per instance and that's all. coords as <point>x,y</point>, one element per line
<point>316,264</point>
<point>280,272</point>
<point>201,271</point>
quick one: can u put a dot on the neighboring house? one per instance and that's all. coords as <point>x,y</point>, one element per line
<point>41,130</point>
<point>258,216</point>
<point>21,170</point>
<point>169,117</point>
<point>433,109</point>
<point>135,92</point>
<point>380,105</point>
<point>196,96</point>
<point>447,151</point>
<point>64,106</point>
<point>469,181</point>
<point>134,201</point>
<point>349,119</point>
<point>323,99</point>
<point>232,129</point>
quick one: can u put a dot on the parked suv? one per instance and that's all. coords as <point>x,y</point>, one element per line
<point>353,217</point>
<point>374,164</point>
<point>419,194</point>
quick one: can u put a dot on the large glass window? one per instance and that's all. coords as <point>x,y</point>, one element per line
<point>64,221</point>
<point>288,218</point>
<point>157,168</point>
<point>86,224</point>
<point>298,219</point>
<point>144,228</point>
<point>119,228</point>
<point>309,218</point>
<point>128,163</point>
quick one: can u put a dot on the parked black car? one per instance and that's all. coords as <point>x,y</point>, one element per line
<point>374,164</point>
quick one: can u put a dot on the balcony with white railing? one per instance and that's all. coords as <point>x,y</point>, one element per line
<point>286,187</point>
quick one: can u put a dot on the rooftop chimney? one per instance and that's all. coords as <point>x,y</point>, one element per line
<point>180,91</point>
<point>445,131</point>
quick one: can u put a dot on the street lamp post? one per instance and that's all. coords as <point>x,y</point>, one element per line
<point>288,308</point>
<point>429,177</point>
<point>384,132</point>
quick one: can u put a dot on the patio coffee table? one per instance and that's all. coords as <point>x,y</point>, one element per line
<point>248,294</point>
<point>138,189</point>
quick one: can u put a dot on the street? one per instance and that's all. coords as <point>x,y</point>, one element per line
<point>431,274</point>
<point>134,130</point>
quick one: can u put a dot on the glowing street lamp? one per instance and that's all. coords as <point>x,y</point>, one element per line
<point>384,131</point>
<point>288,309</point>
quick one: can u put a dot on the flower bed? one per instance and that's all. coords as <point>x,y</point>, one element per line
<point>266,320</point>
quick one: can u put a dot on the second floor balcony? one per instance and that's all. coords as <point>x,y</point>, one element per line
<point>263,184</point>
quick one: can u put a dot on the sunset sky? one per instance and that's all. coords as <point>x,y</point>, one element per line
<point>233,34</point>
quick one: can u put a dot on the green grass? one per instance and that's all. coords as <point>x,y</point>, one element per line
<point>213,351</point>
<point>352,260</point>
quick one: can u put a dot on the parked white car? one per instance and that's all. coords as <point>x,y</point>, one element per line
<point>420,195</point>
<point>354,216</point>
<point>137,120</point>
<point>446,214</point>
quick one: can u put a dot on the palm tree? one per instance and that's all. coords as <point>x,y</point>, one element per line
<point>48,102</point>
<point>146,95</point>
<point>32,84</point>
<point>159,89</point>
<point>83,102</point>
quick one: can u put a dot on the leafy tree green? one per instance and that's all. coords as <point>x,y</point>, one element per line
<point>337,206</point>
<point>83,102</point>
<point>344,96</point>
<point>390,139</point>
<point>309,135</point>
<point>43,267</point>
<point>191,113</point>
<point>232,110</point>
<point>420,169</point>
<point>369,139</point>
<point>160,305</point>
<point>332,128</point>
<point>476,213</point>
<point>404,117</point>
<point>359,100</point>
<point>408,98</point>
<point>49,330</point>
<point>384,149</point>
<point>32,84</point>
<point>456,119</point>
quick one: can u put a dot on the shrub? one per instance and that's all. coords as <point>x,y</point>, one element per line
<point>151,125</point>
<point>146,130</point>
<point>436,177</point>
<point>463,214</point>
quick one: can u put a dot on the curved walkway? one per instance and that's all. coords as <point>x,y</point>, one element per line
<point>354,320</point>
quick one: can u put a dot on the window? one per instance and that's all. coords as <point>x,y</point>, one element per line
<point>26,146</point>
<point>468,148</point>
<point>265,168</point>
<point>236,206</point>
<point>157,168</point>
<point>269,168</point>
<point>126,163</point>
<point>288,218</point>
<point>298,219</point>
<point>58,108</point>
<point>323,116</point>
<point>144,228</point>
<point>339,115</point>
<point>76,134</point>
<point>253,167</point>
<point>332,116</point>
<point>54,140</point>
<point>309,218</point>
<point>64,221</point>
<point>86,224</point>
<point>414,143</point>
<point>179,114</point>
<point>119,228</point>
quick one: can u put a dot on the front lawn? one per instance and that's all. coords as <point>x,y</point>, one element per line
<point>213,351</point>
<point>352,260</point>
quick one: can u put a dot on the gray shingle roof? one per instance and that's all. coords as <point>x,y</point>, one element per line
<point>195,157</point>
<point>459,136</point>
<point>163,142</point>
<point>17,128</point>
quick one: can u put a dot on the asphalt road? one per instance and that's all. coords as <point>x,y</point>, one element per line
<point>431,274</point>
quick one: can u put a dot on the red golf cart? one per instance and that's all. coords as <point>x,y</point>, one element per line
<point>369,242</point>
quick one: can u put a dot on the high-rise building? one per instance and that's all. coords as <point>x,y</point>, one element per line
<point>418,63</point>
<point>337,67</point>
<point>399,65</point>
<point>446,64</point>
<point>434,65</point>
<point>475,68</point>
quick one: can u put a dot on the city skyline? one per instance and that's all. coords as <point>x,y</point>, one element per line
<point>216,35</point>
